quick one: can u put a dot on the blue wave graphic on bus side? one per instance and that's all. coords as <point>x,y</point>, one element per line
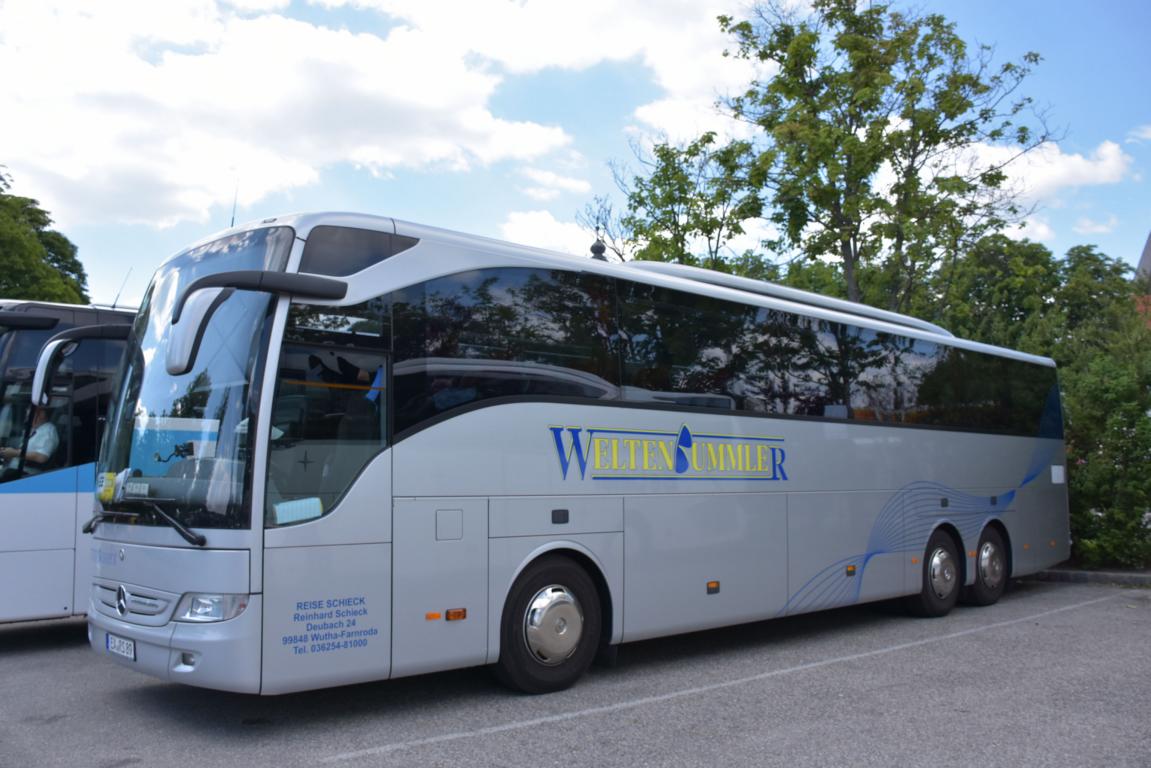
<point>903,526</point>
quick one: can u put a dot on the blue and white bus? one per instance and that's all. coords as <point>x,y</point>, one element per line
<point>349,448</point>
<point>48,455</point>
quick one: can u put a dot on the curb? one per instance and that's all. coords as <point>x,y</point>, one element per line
<point>1068,575</point>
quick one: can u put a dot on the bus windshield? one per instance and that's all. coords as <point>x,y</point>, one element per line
<point>178,445</point>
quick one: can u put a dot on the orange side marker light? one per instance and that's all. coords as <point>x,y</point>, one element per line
<point>433,616</point>
<point>457,614</point>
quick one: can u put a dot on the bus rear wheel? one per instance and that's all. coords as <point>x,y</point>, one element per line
<point>941,578</point>
<point>990,570</point>
<point>551,627</point>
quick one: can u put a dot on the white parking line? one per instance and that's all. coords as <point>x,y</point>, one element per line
<point>633,703</point>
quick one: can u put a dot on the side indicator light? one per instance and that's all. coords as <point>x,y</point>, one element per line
<point>915,561</point>
<point>1053,542</point>
<point>971,553</point>
<point>1027,546</point>
<point>457,614</point>
<point>851,570</point>
<point>433,615</point>
<point>713,587</point>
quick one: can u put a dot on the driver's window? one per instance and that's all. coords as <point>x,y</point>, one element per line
<point>34,440</point>
<point>330,409</point>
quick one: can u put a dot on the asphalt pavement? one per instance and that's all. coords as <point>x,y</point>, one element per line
<point>1056,674</point>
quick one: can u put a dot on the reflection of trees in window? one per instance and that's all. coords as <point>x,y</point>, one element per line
<point>527,332</point>
<point>683,343</point>
<point>193,404</point>
<point>533,325</point>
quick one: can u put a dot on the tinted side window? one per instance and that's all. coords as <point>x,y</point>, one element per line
<point>683,349</point>
<point>93,367</point>
<point>502,333</point>
<point>343,251</point>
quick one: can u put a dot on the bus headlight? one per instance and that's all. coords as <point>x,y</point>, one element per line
<point>205,608</point>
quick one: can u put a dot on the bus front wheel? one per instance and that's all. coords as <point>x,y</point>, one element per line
<point>941,578</point>
<point>550,629</point>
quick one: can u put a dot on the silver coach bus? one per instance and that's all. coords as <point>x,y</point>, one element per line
<point>347,448</point>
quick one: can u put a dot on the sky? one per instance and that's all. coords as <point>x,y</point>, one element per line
<point>141,125</point>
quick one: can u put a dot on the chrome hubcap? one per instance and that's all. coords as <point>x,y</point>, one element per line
<point>942,573</point>
<point>553,625</point>
<point>990,565</point>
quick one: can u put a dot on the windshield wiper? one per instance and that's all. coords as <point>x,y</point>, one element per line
<point>188,535</point>
<point>100,517</point>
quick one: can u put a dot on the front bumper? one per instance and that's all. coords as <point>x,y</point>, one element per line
<point>222,655</point>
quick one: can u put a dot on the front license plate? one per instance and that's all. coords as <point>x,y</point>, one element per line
<point>121,646</point>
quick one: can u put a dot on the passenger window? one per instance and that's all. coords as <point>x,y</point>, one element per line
<point>502,333</point>
<point>330,409</point>
<point>682,349</point>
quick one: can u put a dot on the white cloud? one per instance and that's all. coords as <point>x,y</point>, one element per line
<point>1086,226</point>
<point>1142,133</point>
<point>144,111</point>
<point>550,185</point>
<point>678,40</point>
<point>1047,170</point>
<point>540,229</point>
<point>258,5</point>
<point>1032,228</point>
<point>680,120</point>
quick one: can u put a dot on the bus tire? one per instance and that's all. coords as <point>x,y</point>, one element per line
<point>990,570</point>
<point>941,578</point>
<point>550,630</point>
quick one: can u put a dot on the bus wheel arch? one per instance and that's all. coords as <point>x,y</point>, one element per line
<point>553,622</point>
<point>992,566</point>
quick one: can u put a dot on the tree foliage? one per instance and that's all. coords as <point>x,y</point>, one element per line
<point>36,262</point>
<point>694,193</point>
<point>871,129</point>
<point>1082,310</point>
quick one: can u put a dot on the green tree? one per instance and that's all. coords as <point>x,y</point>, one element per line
<point>1107,402</point>
<point>867,150</point>
<point>36,262</point>
<point>692,194</point>
<point>1000,292</point>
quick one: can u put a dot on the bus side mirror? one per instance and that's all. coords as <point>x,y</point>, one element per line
<point>46,364</point>
<point>204,296</point>
<point>64,344</point>
<point>188,330</point>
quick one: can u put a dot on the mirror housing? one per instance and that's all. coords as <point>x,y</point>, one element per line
<point>63,344</point>
<point>200,300</point>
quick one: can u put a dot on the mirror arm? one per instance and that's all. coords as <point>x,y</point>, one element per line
<point>292,284</point>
